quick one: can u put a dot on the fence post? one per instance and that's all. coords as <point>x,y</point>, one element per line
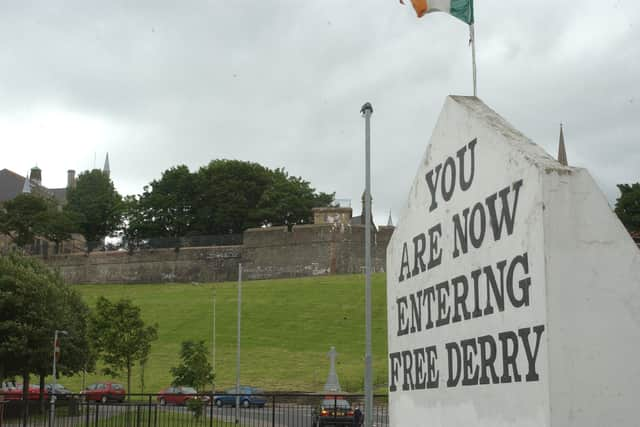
<point>97,411</point>
<point>273,411</point>
<point>210,411</point>
<point>87,411</point>
<point>149,420</point>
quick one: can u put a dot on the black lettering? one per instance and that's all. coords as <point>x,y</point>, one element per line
<point>407,362</point>
<point>429,295</point>
<point>475,275</point>
<point>532,375</point>
<point>493,289</point>
<point>453,379</point>
<point>394,362</point>
<point>507,216</point>
<point>416,312</point>
<point>449,165</point>
<point>460,298</point>
<point>403,323</point>
<point>431,184</point>
<point>421,376</point>
<point>433,375</point>
<point>435,253</point>
<point>469,368</point>
<point>509,358</point>
<point>477,231</point>
<point>404,263</point>
<point>460,233</point>
<point>464,185</point>
<point>524,284</point>
<point>444,311</point>
<point>488,359</point>
<point>419,246</point>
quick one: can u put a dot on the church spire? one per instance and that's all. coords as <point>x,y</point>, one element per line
<point>106,169</point>
<point>26,187</point>
<point>390,220</point>
<point>562,151</point>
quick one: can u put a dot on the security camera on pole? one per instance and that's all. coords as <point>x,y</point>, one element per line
<point>366,111</point>
<point>56,356</point>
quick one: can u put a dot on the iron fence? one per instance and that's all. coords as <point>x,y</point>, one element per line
<point>204,410</point>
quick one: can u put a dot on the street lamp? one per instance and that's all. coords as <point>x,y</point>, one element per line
<point>366,111</point>
<point>56,354</point>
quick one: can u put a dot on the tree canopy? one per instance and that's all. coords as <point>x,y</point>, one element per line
<point>194,369</point>
<point>226,196</point>
<point>23,217</point>
<point>628,206</point>
<point>120,336</point>
<point>34,302</point>
<point>95,206</point>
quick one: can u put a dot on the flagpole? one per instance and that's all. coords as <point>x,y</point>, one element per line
<point>472,38</point>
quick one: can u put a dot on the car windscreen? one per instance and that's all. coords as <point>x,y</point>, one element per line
<point>340,403</point>
<point>189,390</point>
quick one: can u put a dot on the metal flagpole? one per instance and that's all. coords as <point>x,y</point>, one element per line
<point>472,39</point>
<point>238,351</point>
<point>367,110</point>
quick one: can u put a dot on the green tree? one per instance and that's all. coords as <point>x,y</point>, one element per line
<point>628,206</point>
<point>194,370</point>
<point>95,205</point>
<point>228,190</point>
<point>120,336</point>
<point>289,200</point>
<point>34,302</point>
<point>23,217</point>
<point>56,226</point>
<point>234,195</point>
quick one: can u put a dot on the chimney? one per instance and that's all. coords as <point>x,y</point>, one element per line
<point>71,178</point>
<point>36,175</point>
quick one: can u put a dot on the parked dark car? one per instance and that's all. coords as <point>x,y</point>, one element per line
<point>60,391</point>
<point>104,392</point>
<point>179,396</point>
<point>333,411</point>
<point>249,396</point>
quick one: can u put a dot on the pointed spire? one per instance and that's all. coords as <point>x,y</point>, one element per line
<point>390,220</point>
<point>106,169</point>
<point>26,187</point>
<point>562,151</point>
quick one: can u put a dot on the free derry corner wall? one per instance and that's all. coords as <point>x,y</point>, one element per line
<point>513,290</point>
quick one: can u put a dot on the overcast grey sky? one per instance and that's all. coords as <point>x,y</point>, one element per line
<point>161,83</point>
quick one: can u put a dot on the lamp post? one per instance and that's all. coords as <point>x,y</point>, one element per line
<point>238,344</point>
<point>56,353</point>
<point>366,111</point>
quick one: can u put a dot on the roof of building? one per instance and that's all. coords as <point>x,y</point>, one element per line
<point>13,184</point>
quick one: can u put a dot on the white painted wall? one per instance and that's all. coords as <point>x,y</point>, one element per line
<point>584,273</point>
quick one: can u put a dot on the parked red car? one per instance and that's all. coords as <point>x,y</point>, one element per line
<point>15,392</point>
<point>104,392</point>
<point>179,395</point>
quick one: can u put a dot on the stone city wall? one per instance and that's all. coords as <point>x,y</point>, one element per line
<point>267,253</point>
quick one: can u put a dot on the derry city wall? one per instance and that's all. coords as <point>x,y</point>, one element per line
<point>266,253</point>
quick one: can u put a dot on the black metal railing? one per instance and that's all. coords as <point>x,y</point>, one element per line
<point>203,410</point>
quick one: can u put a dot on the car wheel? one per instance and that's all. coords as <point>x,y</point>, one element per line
<point>219,403</point>
<point>245,404</point>
<point>104,399</point>
<point>162,401</point>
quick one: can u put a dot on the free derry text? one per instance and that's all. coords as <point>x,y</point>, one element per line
<point>503,356</point>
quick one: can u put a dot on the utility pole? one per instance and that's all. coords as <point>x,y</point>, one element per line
<point>238,350</point>
<point>366,111</point>
<point>56,354</point>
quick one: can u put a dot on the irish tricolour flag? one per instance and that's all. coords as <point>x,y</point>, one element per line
<point>461,9</point>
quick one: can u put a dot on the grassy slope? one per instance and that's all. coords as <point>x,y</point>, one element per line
<point>287,328</point>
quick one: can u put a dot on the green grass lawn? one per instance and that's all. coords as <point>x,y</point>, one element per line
<point>288,327</point>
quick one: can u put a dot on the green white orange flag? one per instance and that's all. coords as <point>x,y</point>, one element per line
<point>461,9</point>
